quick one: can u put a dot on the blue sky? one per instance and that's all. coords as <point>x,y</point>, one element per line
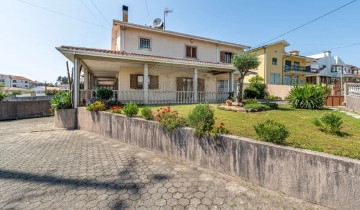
<point>29,35</point>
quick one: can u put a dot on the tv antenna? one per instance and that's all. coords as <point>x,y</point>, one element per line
<point>166,12</point>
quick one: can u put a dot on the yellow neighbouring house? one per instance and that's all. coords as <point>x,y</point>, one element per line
<point>279,67</point>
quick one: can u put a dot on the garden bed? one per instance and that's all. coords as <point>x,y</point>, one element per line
<point>316,177</point>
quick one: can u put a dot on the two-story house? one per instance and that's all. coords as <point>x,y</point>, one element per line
<point>152,65</point>
<point>279,67</point>
<point>332,69</point>
<point>14,81</point>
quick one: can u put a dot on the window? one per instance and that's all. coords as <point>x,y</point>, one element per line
<point>295,80</point>
<point>274,61</point>
<point>228,57</point>
<point>14,85</point>
<point>274,79</point>
<point>222,86</point>
<point>14,81</point>
<point>191,51</point>
<point>287,65</point>
<point>26,81</point>
<point>187,84</point>
<point>287,80</point>
<point>137,81</point>
<point>145,43</point>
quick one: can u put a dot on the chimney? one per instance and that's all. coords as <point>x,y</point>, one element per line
<point>327,55</point>
<point>294,52</point>
<point>125,10</point>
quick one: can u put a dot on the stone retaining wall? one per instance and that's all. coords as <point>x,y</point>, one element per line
<point>316,177</point>
<point>11,110</point>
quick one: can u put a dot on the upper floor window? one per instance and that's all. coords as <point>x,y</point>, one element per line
<point>26,81</point>
<point>225,57</point>
<point>14,81</point>
<point>145,43</point>
<point>274,61</point>
<point>191,51</point>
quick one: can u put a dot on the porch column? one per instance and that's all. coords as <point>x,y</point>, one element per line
<point>118,85</point>
<point>231,81</point>
<point>318,80</point>
<point>86,79</point>
<point>195,85</point>
<point>145,84</point>
<point>76,81</point>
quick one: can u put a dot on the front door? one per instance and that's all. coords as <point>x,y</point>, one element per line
<point>185,88</point>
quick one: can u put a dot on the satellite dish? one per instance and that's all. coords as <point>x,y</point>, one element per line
<point>158,23</point>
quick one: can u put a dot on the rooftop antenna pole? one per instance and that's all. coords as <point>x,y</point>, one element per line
<point>166,12</point>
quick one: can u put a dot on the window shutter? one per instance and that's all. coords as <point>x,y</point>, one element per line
<point>133,81</point>
<point>201,85</point>
<point>154,82</point>
<point>179,84</point>
<point>188,51</point>
<point>222,56</point>
<point>194,52</point>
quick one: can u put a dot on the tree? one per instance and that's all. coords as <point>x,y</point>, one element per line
<point>62,80</point>
<point>244,62</point>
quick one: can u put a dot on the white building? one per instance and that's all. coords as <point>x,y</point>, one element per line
<point>14,81</point>
<point>331,69</point>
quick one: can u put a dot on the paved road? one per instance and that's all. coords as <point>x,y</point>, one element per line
<point>46,168</point>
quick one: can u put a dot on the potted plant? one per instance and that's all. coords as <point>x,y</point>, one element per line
<point>65,114</point>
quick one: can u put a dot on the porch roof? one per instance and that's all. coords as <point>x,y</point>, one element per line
<point>94,54</point>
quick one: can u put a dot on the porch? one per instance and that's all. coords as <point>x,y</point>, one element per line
<point>146,79</point>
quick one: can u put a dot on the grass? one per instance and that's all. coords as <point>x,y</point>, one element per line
<point>303,134</point>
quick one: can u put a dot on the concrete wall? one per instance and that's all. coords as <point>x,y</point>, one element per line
<point>316,177</point>
<point>353,103</point>
<point>10,110</point>
<point>279,90</point>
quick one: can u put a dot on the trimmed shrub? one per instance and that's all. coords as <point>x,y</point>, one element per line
<point>251,92</point>
<point>61,100</point>
<point>104,93</point>
<point>147,113</point>
<point>271,131</point>
<point>250,101</point>
<point>131,109</point>
<point>115,109</point>
<point>168,119</point>
<point>307,96</point>
<point>202,119</point>
<point>272,106</point>
<point>256,107</point>
<point>329,123</point>
<point>96,106</point>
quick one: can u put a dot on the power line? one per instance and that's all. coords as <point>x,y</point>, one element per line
<point>59,13</point>
<point>99,11</point>
<point>307,23</point>
<point>92,13</point>
<point>335,48</point>
<point>147,8</point>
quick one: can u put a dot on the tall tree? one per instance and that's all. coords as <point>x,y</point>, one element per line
<point>244,62</point>
<point>62,80</point>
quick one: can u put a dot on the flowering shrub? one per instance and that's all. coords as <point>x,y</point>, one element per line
<point>115,109</point>
<point>96,106</point>
<point>219,129</point>
<point>131,109</point>
<point>168,119</point>
<point>147,113</point>
<point>91,100</point>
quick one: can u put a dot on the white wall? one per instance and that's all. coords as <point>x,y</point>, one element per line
<point>172,46</point>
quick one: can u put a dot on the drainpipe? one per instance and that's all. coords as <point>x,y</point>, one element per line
<point>265,74</point>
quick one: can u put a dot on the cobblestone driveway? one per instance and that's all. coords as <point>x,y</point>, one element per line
<point>45,168</point>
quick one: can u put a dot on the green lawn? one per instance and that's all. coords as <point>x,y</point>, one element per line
<point>303,134</point>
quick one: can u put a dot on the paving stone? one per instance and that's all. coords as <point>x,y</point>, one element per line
<point>73,169</point>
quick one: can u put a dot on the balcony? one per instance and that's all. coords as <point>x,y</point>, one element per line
<point>306,69</point>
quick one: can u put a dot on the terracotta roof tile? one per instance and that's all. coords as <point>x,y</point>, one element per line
<point>136,55</point>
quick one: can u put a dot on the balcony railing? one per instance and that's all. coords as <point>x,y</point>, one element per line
<point>306,69</point>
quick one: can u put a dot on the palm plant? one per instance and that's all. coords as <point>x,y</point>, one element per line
<point>307,96</point>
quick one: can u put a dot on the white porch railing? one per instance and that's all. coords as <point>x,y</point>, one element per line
<point>354,89</point>
<point>161,96</point>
